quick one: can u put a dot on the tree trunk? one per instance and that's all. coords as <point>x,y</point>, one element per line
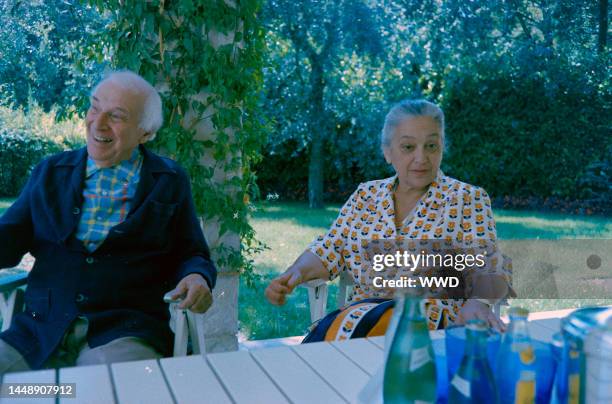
<point>316,174</point>
<point>602,39</point>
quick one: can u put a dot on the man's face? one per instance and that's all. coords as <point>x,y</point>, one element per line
<point>112,124</point>
<point>415,151</point>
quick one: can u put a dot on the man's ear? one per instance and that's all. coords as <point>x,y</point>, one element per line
<point>145,137</point>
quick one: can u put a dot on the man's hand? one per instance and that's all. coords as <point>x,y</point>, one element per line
<point>474,309</point>
<point>195,293</point>
<point>282,285</point>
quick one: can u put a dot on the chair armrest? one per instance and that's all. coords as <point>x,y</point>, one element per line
<point>11,297</point>
<point>187,326</point>
<point>10,282</point>
<point>318,291</point>
<point>344,287</point>
<point>317,298</point>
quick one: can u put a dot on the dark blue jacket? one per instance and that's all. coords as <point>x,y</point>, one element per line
<point>120,286</point>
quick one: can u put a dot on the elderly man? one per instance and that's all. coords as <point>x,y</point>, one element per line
<point>112,227</point>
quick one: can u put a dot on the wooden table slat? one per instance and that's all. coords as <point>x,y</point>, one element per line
<point>298,381</point>
<point>192,381</point>
<point>340,372</point>
<point>93,384</point>
<point>245,381</point>
<point>41,376</point>
<point>366,355</point>
<point>539,332</point>
<point>140,382</point>
<point>553,324</point>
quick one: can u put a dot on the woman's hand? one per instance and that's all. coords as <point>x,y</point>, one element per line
<point>474,309</point>
<point>283,285</point>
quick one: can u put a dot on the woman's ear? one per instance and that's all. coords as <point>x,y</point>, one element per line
<point>387,153</point>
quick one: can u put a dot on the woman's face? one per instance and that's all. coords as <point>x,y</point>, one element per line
<point>415,151</point>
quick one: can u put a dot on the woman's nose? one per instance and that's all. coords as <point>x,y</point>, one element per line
<point>419,155</point>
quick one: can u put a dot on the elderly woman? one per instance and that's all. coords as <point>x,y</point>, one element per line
<point>394,208</point>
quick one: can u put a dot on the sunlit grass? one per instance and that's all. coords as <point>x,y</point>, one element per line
<point>5,203</point>
<point>288,228</point>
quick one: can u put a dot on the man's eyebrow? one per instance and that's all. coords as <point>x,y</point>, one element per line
<point>120,109</point>
<point>435,134</point>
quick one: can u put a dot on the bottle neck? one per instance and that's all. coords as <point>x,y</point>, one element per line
<point>476,343</point>
<point>518,330</point>
<point>412,308</point>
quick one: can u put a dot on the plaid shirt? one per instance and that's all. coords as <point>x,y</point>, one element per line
<point>107,198</point>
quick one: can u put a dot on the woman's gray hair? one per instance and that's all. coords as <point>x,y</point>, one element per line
<point>409,109</point>
<point>152,116</point>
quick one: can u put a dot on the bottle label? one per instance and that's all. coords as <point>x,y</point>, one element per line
<point>419,357</point>
<point>525,392</point>
<point>574,389</point>
<point>527,356</point>
<point>462,386</point>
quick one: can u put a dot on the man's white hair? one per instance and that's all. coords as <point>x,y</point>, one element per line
<point>152,116</point>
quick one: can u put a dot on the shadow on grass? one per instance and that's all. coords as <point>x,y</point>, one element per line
<point>298,213</point>
<point>258,319</point>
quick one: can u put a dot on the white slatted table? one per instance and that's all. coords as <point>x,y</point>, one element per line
<point>310,373</point>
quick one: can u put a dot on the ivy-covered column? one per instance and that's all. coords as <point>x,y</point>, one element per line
<point>205,58</point>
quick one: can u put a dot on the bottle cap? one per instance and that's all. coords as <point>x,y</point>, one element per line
<point>476,324</point>
<point>518,312</point>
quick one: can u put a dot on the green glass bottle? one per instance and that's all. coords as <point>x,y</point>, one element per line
<point>474,382</point>
<point>410,371</point>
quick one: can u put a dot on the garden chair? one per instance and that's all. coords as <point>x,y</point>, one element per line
<point>318,291</point>
<point>187,326</point>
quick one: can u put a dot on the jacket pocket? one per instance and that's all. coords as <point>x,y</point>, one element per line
<point>162,209</point>
<point>37,303</point>
<point>156,226</point>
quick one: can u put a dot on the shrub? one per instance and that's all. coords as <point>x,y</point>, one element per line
<point>27,137</point>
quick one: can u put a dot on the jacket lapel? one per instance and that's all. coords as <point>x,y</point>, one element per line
<point>70,196</point>
<point>151,166</point>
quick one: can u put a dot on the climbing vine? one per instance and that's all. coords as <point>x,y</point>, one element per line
<point>171,43</point>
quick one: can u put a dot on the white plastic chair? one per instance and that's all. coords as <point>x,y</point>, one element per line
<point>318,291</point>
<point>187,326</point>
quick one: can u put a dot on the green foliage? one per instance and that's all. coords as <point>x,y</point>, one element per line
<point>524,137</point>
<point>309,41</point>
<point>26,137</point>
<point>170,43</point>
<point>525,90</point>
<point>40,52</point>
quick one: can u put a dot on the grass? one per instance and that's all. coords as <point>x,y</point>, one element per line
<point>288,228</point>
<point>5,203</point>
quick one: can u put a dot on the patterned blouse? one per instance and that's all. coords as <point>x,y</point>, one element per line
<point>450,210</point>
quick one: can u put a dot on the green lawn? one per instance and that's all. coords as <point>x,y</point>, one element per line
<point>287,228</point>
<point>5,203</point>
